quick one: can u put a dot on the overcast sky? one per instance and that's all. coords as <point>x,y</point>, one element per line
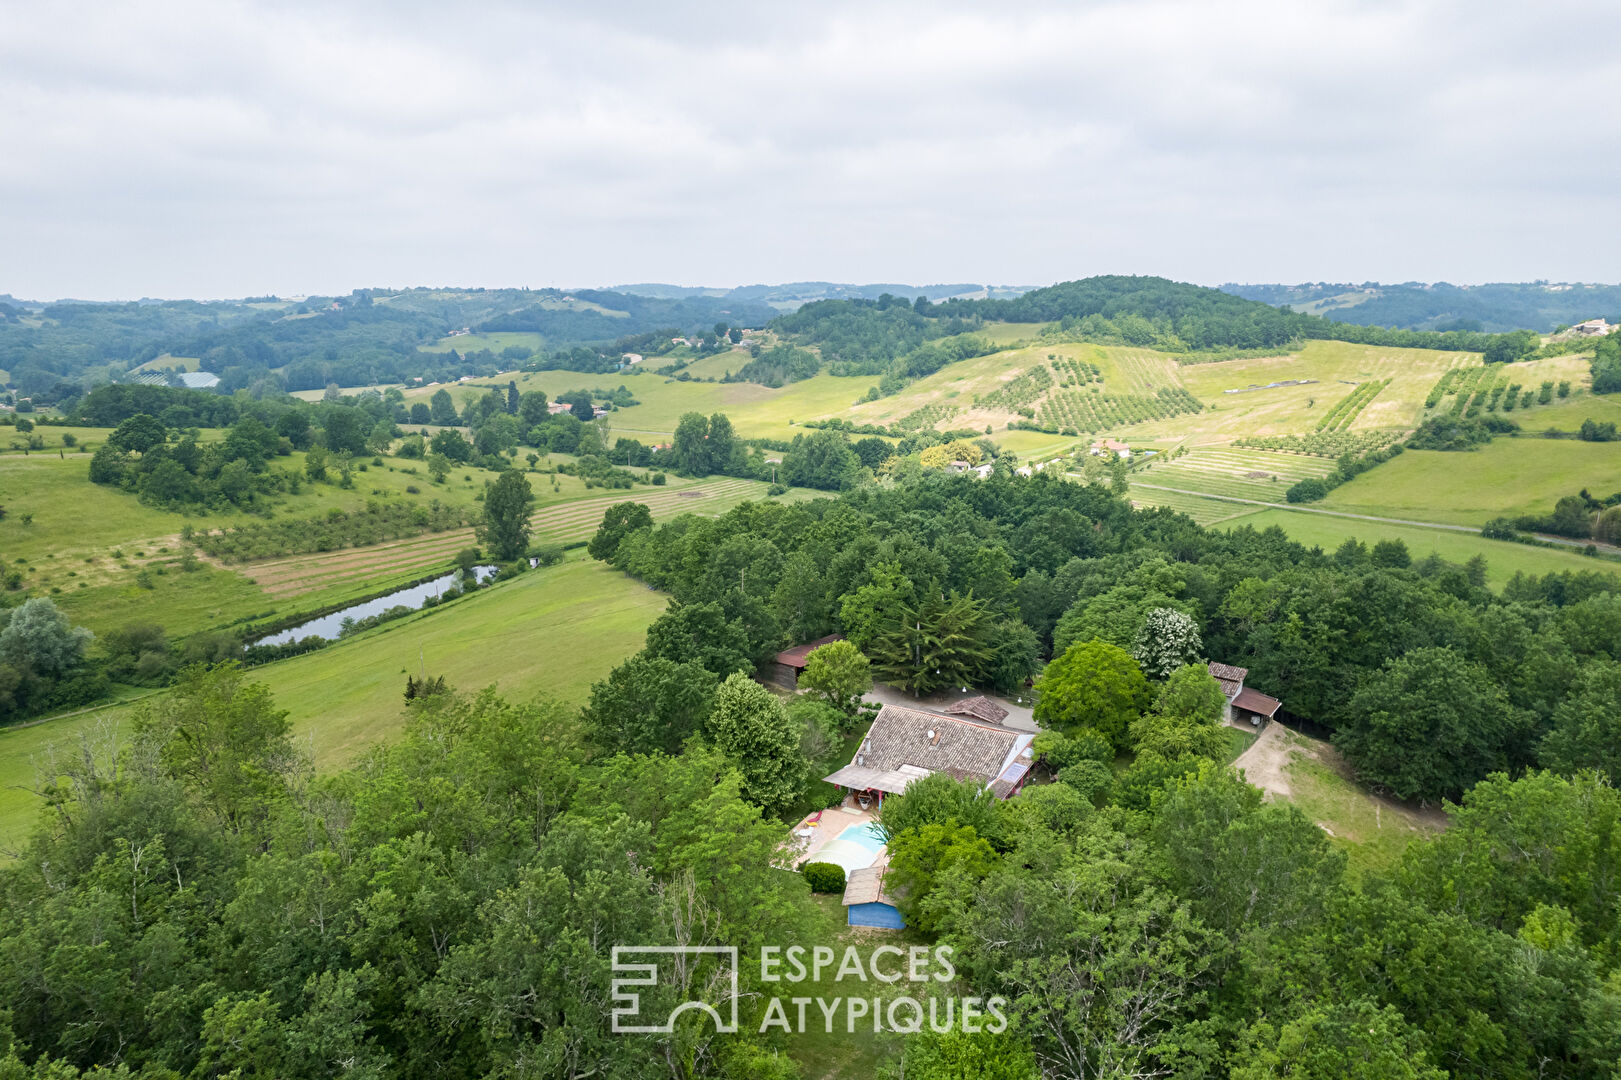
<point>211,148</point>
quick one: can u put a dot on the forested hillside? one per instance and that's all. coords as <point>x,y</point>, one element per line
<point>448,905</point>
<point>1494,308</point>
<point>367,337</point>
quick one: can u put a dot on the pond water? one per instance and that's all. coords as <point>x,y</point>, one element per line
<point>412,596</point>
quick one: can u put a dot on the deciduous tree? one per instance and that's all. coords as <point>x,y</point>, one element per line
<point>504,527</point>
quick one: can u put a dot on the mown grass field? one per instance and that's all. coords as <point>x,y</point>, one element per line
<point>87,543</point>
<point>1503,558</point>
<point>494,341</point>
<point>556,631</point>
<point>756,411</point>
<point>1246,474</point>
<point>1337,368</point>
<point>1507,477</point>
<point>1568,414</point>
<point>561,522</point>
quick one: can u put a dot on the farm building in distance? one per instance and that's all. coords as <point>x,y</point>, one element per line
<point>1591,328</point>
<point>791,663</point>
<point>904,745</point>
<point>1111,446</point>
<point>1242,702</point>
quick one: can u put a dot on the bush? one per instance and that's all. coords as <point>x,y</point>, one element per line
<point>546,554</point>
<point>824,877</point>
<point>776,489</point>
<point>1308,490</point>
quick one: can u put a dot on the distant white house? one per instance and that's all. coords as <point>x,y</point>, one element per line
<point>463,332</point>
<point>631,358</point>
<point>1111,446</point>
<point>1591,328</point>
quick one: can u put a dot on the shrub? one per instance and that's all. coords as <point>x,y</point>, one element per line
<point>824,877</point>
<point>1308,490</point>
<point>546,554</point>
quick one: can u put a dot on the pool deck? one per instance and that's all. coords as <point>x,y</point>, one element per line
<point>835,819</point>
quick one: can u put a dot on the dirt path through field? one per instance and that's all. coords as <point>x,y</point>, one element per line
<point>1266,763</point>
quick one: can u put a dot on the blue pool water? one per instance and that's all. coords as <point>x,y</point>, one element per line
<point>865,835</point>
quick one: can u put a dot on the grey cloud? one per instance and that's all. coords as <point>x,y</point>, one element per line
<point>192,148</point>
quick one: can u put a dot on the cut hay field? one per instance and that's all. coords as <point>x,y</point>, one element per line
<point>1503,558</point>
<point>1246,474</point>
<point>166,361</point>
<point>494,341</point>
<point>1336,367</point>
<point>1508,477</point>
<point>555,631</point>
<point>561,522</point>
<point>87,543</point>
<point>756,411</point>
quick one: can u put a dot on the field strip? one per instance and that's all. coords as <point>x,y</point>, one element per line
<point>1357,517</point>
<point>575,519</point>
<point>1313,510</point>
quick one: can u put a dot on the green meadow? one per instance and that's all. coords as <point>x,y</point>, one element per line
<point>1507,477</point>
<point>1503,558</point>
<point>556,630</point>
<point>756,411</point>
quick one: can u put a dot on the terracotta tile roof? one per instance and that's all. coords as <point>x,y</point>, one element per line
<point>796,656</point>
<point>981,707</point>
<point>910,741</point>
<point>1230,677</point>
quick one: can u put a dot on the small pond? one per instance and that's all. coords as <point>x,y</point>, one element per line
<point>412,596</point>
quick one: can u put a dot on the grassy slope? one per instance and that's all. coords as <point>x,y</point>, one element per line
<point>756,411</point>
<point>1296,409</point>
<point>1568,414</point>
<point>1503,559</point>
<point>842,1054</point>
<point>1506,477</point>
<point>90,541</point>
<point>1372,832</point>
<point>556,630</point>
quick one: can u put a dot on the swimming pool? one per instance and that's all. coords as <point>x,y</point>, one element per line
<point>855,848</point>
<point>866,834</point>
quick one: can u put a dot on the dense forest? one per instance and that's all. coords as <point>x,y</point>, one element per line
<point>206,906</point>
<point>1494,308</point>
